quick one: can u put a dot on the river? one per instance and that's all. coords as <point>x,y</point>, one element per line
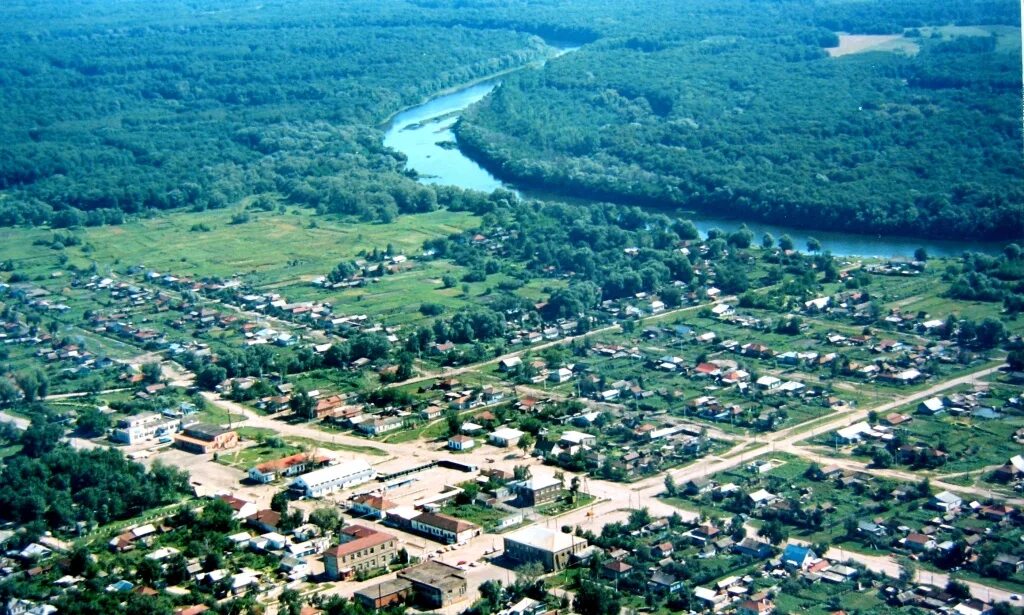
<point>424,134</point>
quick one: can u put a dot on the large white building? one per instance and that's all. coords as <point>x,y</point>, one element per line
<point>346,474</point>
<point>144,427</point>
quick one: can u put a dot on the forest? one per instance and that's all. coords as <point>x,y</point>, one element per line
<point>744,113</point>
<point>121,110</point>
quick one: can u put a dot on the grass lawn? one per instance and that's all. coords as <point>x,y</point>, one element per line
<point>565,505</point>
<point>486,518</point>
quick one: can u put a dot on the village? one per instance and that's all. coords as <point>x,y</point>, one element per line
<point>691,450</point>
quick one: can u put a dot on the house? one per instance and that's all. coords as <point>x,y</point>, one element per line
<point>286,466</point>
<point>753,548</point>
<point>798,557</point>
<point>615,569</point>
<point>919,542</point>
<point>373,551</point>
<point>664,582</point>
<point>380,425</point>
<point>711,598</point>
<point>768,383</point>
<point>930,407</point>
<point>550,548</point>
<point>435,584</point>
<point>320,482</point>
<point>697,486</point>
<point>1011,471</point>
<point>576,438</point>
<point>242,508</point>
<point>536,490</point>
<point>505,436</point>
<point>755,607</point>
<point>384,594</point>
<point>762,497</point>
<point>560,375</point>
<point>662,550</point>
<point>946,501</point>
<point>371,506</point>
<point>506,365</point>
<point>1010,561</point>
<point>202,438</point>
<point>448,530</point>
<point>264,520</point>
<point>460,442</point>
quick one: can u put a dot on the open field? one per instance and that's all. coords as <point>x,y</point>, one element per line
<point>860,43</point>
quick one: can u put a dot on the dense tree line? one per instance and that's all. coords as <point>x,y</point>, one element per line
<point>115,111</point>
<point>51,486</point>
<point>741,112</point>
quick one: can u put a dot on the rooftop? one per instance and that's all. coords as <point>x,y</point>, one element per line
<point>544,539</point>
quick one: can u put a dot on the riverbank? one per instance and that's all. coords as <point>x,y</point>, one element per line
<point>418,131</point>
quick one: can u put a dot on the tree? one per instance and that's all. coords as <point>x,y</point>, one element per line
<point>290,601</point>
<point>327,519</point>
<point>40,438</point>
<point>773,531</point>
<point>151,373</point>
<point>280,502</point>
<point>767,241</point>
<point>302,404</point>
<point>639,518</point>
<point>210,375</point>
<point>92,422</point>
<point>9,392</point>
<point>786,243</point>
<point>454,422</point>
<point>813,245</point>
<point>526,442</point>
<point>596,599</point>
<point>670,485</point>
<point>921,255</point>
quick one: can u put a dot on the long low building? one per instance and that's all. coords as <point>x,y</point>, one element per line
<point>551,549</point>
<point>445,528</point>
<point>319,483</point>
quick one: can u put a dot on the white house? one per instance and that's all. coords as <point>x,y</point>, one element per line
<point>561,374</point>
<point>460,442</point>
<point>505,436</point>
<point>930,406</point>
<point>510,363</point>
<point>768,383</point>
<point>946,501</point>
<point>334,478</point>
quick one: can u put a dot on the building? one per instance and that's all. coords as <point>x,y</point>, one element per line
<point>536,490</point>
<point>505,436</point>
<point>382,595</point>
<point>551,549</point>
<point>436,585</point>
<point>798,556</point>
<point>371,506</point>
<point>460,442</point>
<point>292,465</point>
<point>202,438</point>
<point>946,501</point>
<point>372,551</point>
<point>346,474</point>
<point>377,426</point>
<point>145,427</point>
<point>444,528</point>
<point>560,375</point>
